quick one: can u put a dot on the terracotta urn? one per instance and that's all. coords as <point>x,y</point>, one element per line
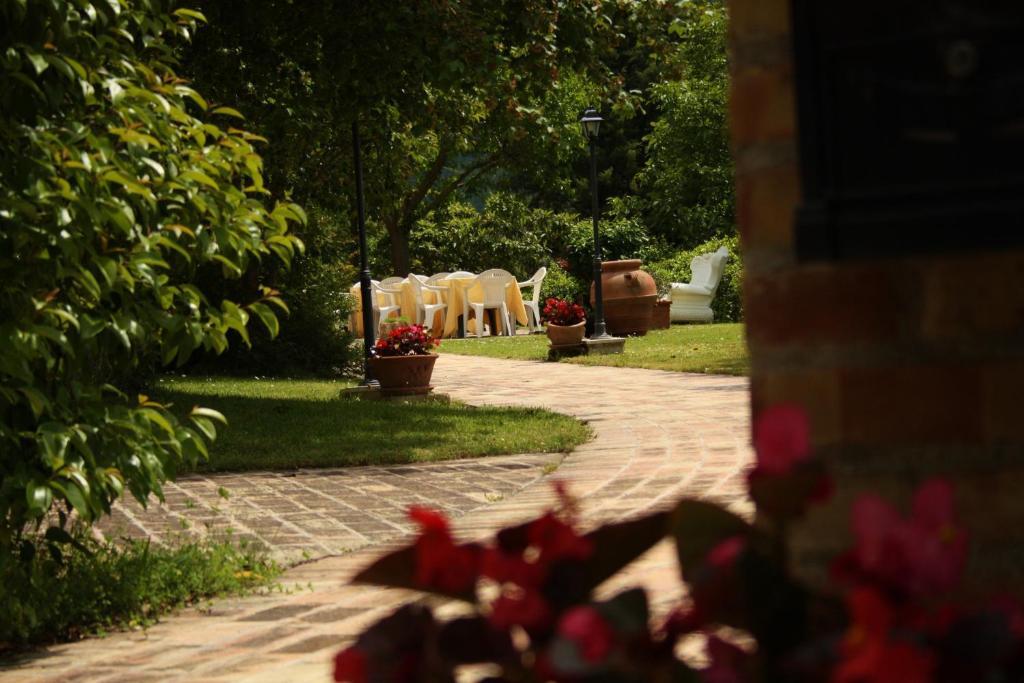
<point>629,295</point>
<point>403,375</point>
<point>566,335</point>
<point>661,318</point>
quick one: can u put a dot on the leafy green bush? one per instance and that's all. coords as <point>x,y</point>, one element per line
<point>61,591</point>
<point>505,234</point>
<point>623,236</point>
<point>727,304</point>
<point>314,339</point>
<point>116,190</point>
<point>561,285</point>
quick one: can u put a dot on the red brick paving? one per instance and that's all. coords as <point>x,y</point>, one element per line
<point>659,436</point>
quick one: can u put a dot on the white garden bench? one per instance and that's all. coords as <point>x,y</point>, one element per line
<point>691,301</point>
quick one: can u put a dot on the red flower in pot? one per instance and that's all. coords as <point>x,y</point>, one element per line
<point>403,360</point>
<point>566,322</point>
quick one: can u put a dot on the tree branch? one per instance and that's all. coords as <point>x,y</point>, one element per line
<point>466,176</point>
<point>414,198</point>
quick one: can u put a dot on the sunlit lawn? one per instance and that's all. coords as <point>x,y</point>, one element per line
<point>285,424</point>
<point>716,349</point>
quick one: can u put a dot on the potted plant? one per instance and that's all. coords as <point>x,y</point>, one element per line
<point>402,360</point>
<point>566,322</point>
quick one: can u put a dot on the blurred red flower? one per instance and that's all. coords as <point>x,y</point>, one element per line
<point>504,567</point>
<point>922,555</point>
<point>589,631</point>
<point>350,666</point>
<point>525,608</point>
<point>786,478</point>
<point>557,540</point>
<point>869,654</point>
<point>440,563</point>
<point>729,663</point>
<point>782,438</point>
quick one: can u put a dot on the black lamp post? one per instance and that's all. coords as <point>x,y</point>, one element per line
<point>366,295</point>
<point>591,124</point>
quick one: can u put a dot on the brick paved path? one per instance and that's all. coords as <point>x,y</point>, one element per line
<point>659,436</point>
<point>307,514</point>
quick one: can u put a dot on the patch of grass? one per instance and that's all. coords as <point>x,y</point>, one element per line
<point>285,424</point>
<point>52,592</point>
<point>714,349</point>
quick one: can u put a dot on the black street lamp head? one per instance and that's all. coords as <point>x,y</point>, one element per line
<point>591,124</point>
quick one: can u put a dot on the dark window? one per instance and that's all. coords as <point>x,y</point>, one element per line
<point>911,118</point>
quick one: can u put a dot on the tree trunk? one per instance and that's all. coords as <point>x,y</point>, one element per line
<point>399,237</point>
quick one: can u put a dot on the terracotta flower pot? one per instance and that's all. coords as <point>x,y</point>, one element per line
<point>629,295</point>
<point>566,335</point>
<point>661,318</point>
<point>402,375</point>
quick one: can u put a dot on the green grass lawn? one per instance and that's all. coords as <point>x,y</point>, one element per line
<point>715,349</point>
<point>284,424</point>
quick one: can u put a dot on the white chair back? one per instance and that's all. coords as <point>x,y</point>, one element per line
<point>494,282</point>
<point>536,281</point>
<point>386,291</point>
<point>434,279</point>
<point>459,273</point>
<point>706,270</point>
<point>417,282</point>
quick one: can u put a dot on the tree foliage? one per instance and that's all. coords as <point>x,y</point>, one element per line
<point>119,186</point>
<point>687,179</point>
<point>446,92</point>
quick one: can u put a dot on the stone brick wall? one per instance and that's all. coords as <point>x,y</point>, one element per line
<point>907,367</point>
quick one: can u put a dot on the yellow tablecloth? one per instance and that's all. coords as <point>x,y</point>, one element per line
<point>457,293</point>
<point>356,319</point>
<point>407,301</point>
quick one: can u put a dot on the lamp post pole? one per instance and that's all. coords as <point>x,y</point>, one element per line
<point>366,295</point>
<point>591,123</point>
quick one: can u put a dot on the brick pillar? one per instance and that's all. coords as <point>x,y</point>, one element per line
<point>908,367</point>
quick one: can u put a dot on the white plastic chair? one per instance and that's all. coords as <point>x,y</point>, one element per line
<point>459,273</point>
<point>493,282</point>
<point>533,303</point>
<point>691,301</point>
<point>434,279</point>
<point>386,300</point>
<point>424,311</point>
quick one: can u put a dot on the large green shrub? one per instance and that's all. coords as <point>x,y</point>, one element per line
<point>623,236</point>
<point>728,303</point>
<point>314,337</point>
<point>119,184</point>
<point>560,284</point>
<point>505,234</point>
